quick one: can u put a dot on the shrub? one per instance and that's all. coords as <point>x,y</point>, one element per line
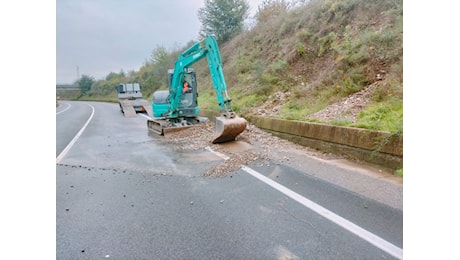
<point>300,49</point>
<point>382,116</point>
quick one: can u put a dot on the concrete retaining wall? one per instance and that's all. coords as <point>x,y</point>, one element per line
<point>377,147</point>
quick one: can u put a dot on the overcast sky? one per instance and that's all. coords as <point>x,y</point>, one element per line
<point>96,37</point>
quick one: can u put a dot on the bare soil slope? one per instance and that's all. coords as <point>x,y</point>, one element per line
<point>347,108</point>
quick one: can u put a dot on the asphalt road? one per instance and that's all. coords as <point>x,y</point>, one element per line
<point>122,193</point>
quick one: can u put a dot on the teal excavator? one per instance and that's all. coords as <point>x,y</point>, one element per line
<point>177,109</point>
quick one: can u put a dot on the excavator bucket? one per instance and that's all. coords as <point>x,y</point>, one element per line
<point>227,129</point>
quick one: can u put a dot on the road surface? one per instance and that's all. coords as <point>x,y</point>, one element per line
<point>122,193</point>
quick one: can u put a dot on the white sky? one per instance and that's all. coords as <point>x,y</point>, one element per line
<point>96,37</point>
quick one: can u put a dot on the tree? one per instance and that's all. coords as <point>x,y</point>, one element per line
<point>223,18</point>
<point>115,76</point>
<point>161,63</point>
<point>85,83</point>
<point>159,55</point>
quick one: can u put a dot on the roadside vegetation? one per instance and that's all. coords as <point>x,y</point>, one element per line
<point>317,52</point>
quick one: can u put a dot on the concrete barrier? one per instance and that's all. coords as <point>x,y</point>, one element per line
<point>377,147</point>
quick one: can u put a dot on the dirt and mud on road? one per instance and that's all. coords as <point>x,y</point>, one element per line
<point>251,145</point>
<point>257,147</point>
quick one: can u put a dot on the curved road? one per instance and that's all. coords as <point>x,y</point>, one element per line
<point>123,194</point>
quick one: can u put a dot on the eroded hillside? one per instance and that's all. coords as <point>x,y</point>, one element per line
<point>337,62</point>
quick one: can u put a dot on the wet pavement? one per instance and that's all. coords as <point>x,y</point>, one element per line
<point>124,194</point>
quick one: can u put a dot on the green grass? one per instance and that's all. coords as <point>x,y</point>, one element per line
<point>99,98</point>
<point>341,121</point>
<point>399,172</point>
<point>384,116</point>
<point>295,110</point>
<point>207,101</point>
<point>245,103</point>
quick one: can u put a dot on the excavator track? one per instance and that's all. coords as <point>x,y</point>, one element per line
<point>227,129</point>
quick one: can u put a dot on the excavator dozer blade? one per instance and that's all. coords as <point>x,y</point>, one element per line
<point>170,131</point>
<point>227,129</point>
<point>155,126</point>
<point>161,127</point>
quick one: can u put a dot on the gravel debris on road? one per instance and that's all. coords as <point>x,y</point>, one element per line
<point>252,145</point>
<point>257,147</point>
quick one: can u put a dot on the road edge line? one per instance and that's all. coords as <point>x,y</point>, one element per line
<point>67,148</point>
<point>346,224</point>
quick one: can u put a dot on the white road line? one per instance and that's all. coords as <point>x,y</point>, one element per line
<point>146,116</point>
<point>364,234</point>
<point>355,229</point>
<point>221,155</point>
<point>67,148</point>
<point>68,106</point>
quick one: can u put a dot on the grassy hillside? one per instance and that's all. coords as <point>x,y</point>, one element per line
<point>305,58</point>
<point>301,62</point>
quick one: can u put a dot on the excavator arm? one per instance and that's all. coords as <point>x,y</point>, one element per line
<point>210,50</point>
<point>228,124</point>
<point>217,75</point>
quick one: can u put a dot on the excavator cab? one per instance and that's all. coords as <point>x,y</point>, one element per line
<point>188,105</point>
<point>187,110</point>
